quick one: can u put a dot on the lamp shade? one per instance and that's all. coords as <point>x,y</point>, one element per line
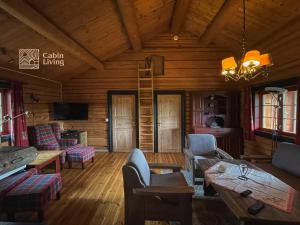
<point>266,60</point>
<point>228,63</point>
<point>252,58</point>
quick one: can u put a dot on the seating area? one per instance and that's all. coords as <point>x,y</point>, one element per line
<point>149,112</point>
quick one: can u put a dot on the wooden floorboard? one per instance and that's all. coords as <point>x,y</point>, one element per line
<point>94,196</point>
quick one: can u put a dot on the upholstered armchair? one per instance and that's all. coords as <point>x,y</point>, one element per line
<point>201,146</point>
<point>150,196</point>
<point>47,137</point>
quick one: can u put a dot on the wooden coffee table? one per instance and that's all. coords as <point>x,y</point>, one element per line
<point>239,205</point>
<point>44,158</point>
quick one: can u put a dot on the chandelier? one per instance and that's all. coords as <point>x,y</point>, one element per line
<point>251,64</point>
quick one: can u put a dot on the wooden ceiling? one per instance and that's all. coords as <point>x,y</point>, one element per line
<point>92,31</point>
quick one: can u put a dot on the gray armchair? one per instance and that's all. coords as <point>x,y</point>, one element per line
<point>201,146</point>
<point>150,196</point>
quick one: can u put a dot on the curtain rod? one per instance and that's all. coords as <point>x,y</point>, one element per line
<point>30,75</point>
<point>34,76</point>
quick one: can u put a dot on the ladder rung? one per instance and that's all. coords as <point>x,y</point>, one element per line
<point>146,98</point>
<point>146,107</point>
<point>146,69</point>
<point>145,116</point>
<point>146,125</point>
<point>145,88</point>
<point>145,78</point>
<point>146,134</point>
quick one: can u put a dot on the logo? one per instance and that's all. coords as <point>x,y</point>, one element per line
<point>29,59</point>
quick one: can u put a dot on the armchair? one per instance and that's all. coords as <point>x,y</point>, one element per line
<point>201,146</point>
<point>150,196</point>
<point>44,137</point>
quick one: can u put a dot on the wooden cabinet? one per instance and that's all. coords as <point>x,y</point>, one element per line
<point>218,113</point>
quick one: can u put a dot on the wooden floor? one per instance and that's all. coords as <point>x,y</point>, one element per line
<point>94,196</point>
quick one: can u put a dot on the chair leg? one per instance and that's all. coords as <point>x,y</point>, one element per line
<point>93,160</point>
<point>82,165</point>
<point>41,215</point>
<point>58,195</point>
<point>11,216</point>
<point>70,164</point>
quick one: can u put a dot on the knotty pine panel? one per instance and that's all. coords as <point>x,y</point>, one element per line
<point>46,91</point>
<point>190,69</point>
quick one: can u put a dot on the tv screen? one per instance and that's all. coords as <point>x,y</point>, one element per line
<point>70,111</point>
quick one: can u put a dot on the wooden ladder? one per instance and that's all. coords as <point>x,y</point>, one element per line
<point>145,100</point>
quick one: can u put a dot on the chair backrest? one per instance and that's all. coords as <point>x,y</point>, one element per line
<point>45,136</point>
<point>138,161</point>
<point>202,144</point>
<point>56,130</point>
<point>287,157</point>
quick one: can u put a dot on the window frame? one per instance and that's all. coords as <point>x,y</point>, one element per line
<point>265,132</point>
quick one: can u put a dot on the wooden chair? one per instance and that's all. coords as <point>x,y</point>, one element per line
<point>150,196</point>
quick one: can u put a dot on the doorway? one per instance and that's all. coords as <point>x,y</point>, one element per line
<point>169,121</point>
<point>123,121</point>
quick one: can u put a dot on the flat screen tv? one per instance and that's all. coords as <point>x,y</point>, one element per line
<point>70,111</point>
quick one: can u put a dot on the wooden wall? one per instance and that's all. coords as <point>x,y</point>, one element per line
<point>46,91</point>
<point>188,67</point>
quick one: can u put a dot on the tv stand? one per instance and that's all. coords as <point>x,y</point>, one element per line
<point>80,135</point>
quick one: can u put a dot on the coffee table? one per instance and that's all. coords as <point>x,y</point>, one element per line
<point>44,158</point>
<point>239,205</point>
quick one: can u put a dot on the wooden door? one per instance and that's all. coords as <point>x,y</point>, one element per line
<point>123,121</point>
<point>169,123</point>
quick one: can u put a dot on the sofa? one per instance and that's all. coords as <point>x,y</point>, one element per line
<point>284,164</point>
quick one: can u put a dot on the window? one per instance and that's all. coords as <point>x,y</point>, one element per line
<point>277,110</point>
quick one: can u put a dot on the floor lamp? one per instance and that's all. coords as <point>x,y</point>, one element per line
<point>8,118</point>
<point>276,93</point>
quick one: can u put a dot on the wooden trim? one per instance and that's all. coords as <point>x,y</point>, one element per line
<point>110,126</point>
<point>229,8</point>
<point>169,92</point>
<point>128,18</point>
<point>179,15</point>
<point>33,19</point>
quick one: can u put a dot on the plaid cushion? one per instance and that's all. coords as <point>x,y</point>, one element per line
<point>45,135</point>
<point>56,130</point>
<point>33,193</point>
<point>10,182</point>
<point>66,142</point>
<point>81,154</point>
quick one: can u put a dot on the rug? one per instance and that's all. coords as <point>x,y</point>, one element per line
<point>207,210</point>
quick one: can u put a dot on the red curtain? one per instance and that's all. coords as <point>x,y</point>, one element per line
<point>298,114</point>
<point>20,137</point>
<point>248,123</point>
<point>6,109</point>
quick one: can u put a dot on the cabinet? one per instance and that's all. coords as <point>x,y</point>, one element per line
<point>218,113</point>
<point>81,136</point>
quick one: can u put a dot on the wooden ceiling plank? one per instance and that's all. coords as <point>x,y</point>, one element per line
<point>278,34</point>
<point>220,20</point>
<point>127,14</point>
<point>30,17</point>
<point>179,15</point>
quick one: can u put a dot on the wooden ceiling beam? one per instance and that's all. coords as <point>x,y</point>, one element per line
<point>128,17</point>
<point>33,19</point>
<point>220,20</point>
<point>179,15</point>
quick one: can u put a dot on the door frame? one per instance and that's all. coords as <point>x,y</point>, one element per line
<point>169,92</point>
<point>110,116</point>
